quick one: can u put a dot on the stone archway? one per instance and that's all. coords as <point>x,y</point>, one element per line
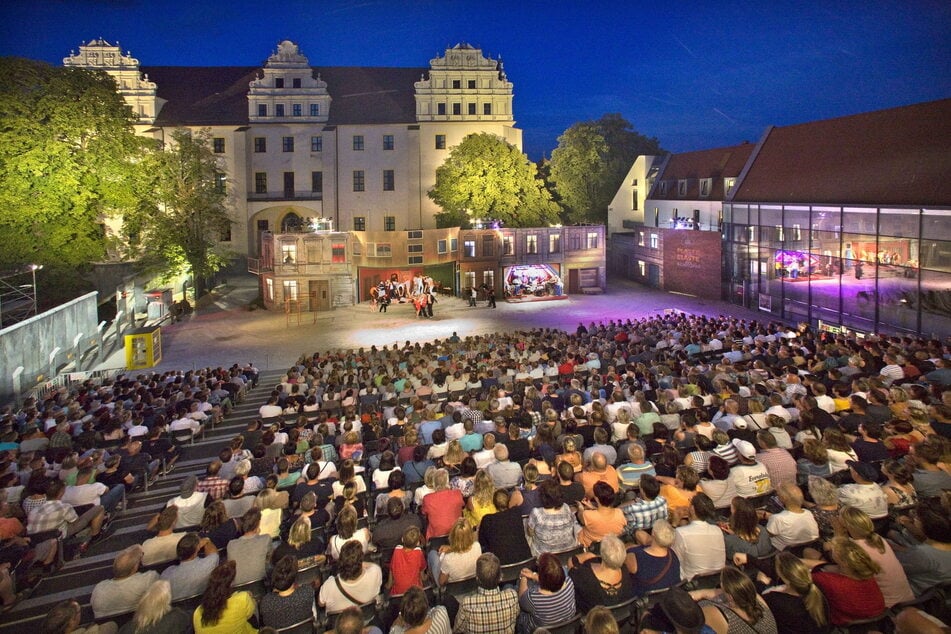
<point>291,223</point>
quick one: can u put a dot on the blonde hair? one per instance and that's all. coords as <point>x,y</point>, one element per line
<point>798,578</point>
<point>153,606</point>
<point>299,533</point>
<point>461,536</point>
<point>849,554</point>
<point>859,526</point>
<point>663,534</point>
<point>454,453</point>
<point>483,488</point>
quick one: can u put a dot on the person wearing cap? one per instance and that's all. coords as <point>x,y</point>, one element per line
<point>121,594</point>
<point>676,613</point>
<point>191,503</point>
<point>864,494</point>
<point>741,429</point>
<point>750,477</point>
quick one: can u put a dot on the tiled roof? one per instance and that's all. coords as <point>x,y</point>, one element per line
<point>716,164</point>
<point>218,95</point>
<point>899,156</point>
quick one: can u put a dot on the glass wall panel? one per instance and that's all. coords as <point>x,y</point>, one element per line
<point>936,224</point>
<point>859,220</point>
<point>902,223</point>
<point>935,254</point>
<point>935,304</point>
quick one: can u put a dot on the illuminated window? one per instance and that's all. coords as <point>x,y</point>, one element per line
<point>389,180</point>
<point>269,285</point>
<point>592,240</point>
<point>388,143</point>
<point>728,184</point>
<point>488,278</point>
<point>359,223</point>
<point>797,232</point>
<point>289,253</point>
<point>338,252</point>
<point>359,182</point>
<point>440,141</point>
<point>389,223</point>
<point>531,244</point>
<point>358,142</point>
<point>663,187</point>
<point>655,241</point>
<point>468,248</point>
<point>316,144</point>
<point>641,268</point>
<point>219,182</point>
<point>470,279</point>
<point>554,243</point>
<point>287,144</point>
<point>640,238</point>
<point>218,145</point>
<point>682,187</point>
<point>780,234</point>
<point>290,290</point>
<point>705,187</point>
<point>260,144</point>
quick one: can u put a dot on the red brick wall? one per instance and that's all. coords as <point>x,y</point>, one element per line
<point>691,262</point>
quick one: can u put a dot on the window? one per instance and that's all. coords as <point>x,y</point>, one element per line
<point>357,142</point>
<point>289,253</point>
<point>574,242</point>
<point>389,223</point>
<point>315,109</point>
<point>287,144</point>
<point>296,110</point>
<point>296,81</point>
<point>359,183</point>
<point>682,187</point>
<point>270,288</point>
<point>380,250</point>
<point>338,253</point>
<point>488,246</point>
<point>219,182</point>
<point>279,110</point>
<point>456,84</point>
<point>225,235</point>
<point>278,82</point>
<point>457,108</point>
<point>440,141</point>
<point>640,238</point>
<point>441,108</point>
<point>592,241</point>
<point>655,241</point>
<point>453,244</point>
<point>262,109</point>
<point>388,143</point>
<point>728,184</point>
<point>317,182</point>
<point>316,144</point>
<point>389,180</point>
<point>472,84</point>
<point>414,235</point>
<point>289,184</point>
<point>486,108</point>
<point>508,247</point>
<point>360,223</point>
<point>663,188</point>
<point>441,247</point>
<point>290,290</point>
<point>488,278</point>
<point>414,259</point>
<point>531,244</point>
<point>470,279</point>
<point>705,187</point>
<point>642,268</point>
<point>260,144</point>
<point>472,108</point>
<point>218,145</point>
<point>414,248</point>
<point>468,248</point>
<point>260,182</point>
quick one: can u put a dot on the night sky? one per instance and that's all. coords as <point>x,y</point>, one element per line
<point>695,75</point>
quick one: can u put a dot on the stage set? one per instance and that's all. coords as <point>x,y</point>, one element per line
<point>533,283</point>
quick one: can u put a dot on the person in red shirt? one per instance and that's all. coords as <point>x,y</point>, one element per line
<point>442,507</point>
<point>852,592</point>
<point>408,563</point>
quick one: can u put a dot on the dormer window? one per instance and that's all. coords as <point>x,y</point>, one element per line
<point>663,188</point>
<point>682,187</point>
<point>728,184</point>
<point>705,187</point>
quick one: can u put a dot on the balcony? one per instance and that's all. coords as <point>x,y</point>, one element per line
<point>285,195</point>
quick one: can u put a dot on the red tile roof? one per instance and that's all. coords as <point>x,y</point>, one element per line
<point>219,95</point>
<point>717,164</point>
<point>899,156</point>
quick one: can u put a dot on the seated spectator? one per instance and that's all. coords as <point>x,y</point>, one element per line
<point>864,494</point>
<point>347,531</point>
<point>899,489</point>
<point>678,491</point>
<point>751,478</point>
<point>519,447</point>
<point>798,595</point>
<point>415,469</point>
<point>456,560</point>
<point>601,580</point>
<point>155,613</point>
<point>652,563</point>
<point>700,546</point>
<point>395,483</point>
<point>408,563</point>
<point>675,612</point>
<point>598,470</point>
<point>850,591</point>
<point>779,463</point>
<point>735,606</point>
<point>287,603</point>
<point>719,487</point>
<point>416,615</point>
<point>491,608</point>
<point>815,461</point>
<point>86,493</point>
<point>358,579</point>
<point>928,564</point>
<point>838,450</point>
<point>190,577</point>
<point>190,502</point>
<point>552,527</point>
<point>250,551</point>
<point>250,483</point>
<point>546,596</point>
<point>528,496</point>
<point>572,492</point>
<point>601,446</point>
<point>929,478</point>
<point>442,507</point>
<point>213,484</point>
<point>700,456</point>
<point>869,446</point>
<point>480,503</point>
<point>223,611</point>
<point>724,447</point>
<point>301,544</point>
<point>794,525</point>
<point>647,508</point>
<point>121,594</point>
<point>268,502</point>
<point>218,527</point>
<point>388,532</point>
<point>162,547</point>
<point>599,517</point>
<point>55,515</point>
<point>387,466</point>
<point>348,473</point>
<point>571,455</point>
<point>629,473</point>
<point>504,473</point>
<point>312,484</point>
<point>743,534</point>
<point>503,532</point>
<point>891,578</point>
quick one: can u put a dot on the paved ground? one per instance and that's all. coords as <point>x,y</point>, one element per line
<point>224,331</point>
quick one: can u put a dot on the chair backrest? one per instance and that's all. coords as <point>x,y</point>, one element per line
<point>623,611</point>
<point>510,572</point>
<point>460,588</point>
<point>306,626</point>
<point>571,626</point>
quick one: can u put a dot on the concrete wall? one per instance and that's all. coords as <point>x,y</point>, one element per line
<point>64,330</point>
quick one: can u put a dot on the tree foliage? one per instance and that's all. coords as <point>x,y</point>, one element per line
<point>590,163</point>
<point>486,177</point>
<point>182,211</point>
<point>68,157</point>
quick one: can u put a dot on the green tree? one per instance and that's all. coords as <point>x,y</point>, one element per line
<point>486,177</point>
<point>68,157</point>
<point>183,211</point>
<point>590,162</point>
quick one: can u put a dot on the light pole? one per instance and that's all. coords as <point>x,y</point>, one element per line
<point>34,268</point>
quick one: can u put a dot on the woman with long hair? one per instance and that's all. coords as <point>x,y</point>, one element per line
<point>218,527</point>
<point>457,559</point>
<point>454,456</point>
<point>815,461</point>
<point>347,473</point>
<point>223,611</point>
<point>355,578</point>
<point>891,580</point>
<point>347,531</point>
<point>481,503</point>
<point>851,591</point>
<point>300,544</point>
<point>719,487</point>
<point>798,594</point>
<point>155,614</point>
<point>465,481</point>
<point>570,454</point>
<point>899,490</point>
<point>735,607</point>
<point>839,450</point>
<point>743,534</point>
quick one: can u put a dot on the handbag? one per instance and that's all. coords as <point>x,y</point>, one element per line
<point>663,572</point>
<point>345,593</point>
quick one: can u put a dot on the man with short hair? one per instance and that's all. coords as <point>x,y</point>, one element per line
<point>601,445</point>
<point>504,473</point>
<point>161,548</point>
<point>190,502</point>
<point>503,532</point>
<point>598,470</point>
<point>794,525</point>
<point>646,509</point>
<point>779,463</point>
<point>490,610</point>
<point>55,514</point>
<point>121,594</point>
<point>213,484</point>
<point>388,533</point>
<point>699,545</point>
<point>486,456</point>
<point>88,493</point>
<point>190,577</point>
<point>250,551</point>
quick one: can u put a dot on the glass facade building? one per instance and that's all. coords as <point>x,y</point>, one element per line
<point>869,269</point>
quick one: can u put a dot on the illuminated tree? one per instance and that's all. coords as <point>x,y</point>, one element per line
<point>486,178</point>
<point>590,162</point>
<point>182,213</point>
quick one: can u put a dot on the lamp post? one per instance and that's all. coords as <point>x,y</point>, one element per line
<point>34,268</point>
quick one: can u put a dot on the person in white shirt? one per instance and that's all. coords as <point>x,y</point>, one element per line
<point>823,400</point>
<point>699,545</point>
<point>191,503</point>
<point>865,494</point>
<point>270,409</point>
<point>185,423</point>
<point>750,477</point>
<point>794,525</point>
<point>487,456</point>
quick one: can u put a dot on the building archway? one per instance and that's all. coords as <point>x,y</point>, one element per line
<point>291,223</point>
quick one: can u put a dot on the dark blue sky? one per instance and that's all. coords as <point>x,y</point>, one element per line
<point>695,75</point>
